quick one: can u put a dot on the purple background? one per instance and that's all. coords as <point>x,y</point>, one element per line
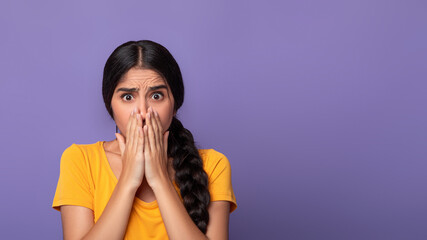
<point>319,106</point>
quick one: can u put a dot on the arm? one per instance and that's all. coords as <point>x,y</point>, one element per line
<point>78,221</point>
<point>178,223</point>
<point>219,215</point>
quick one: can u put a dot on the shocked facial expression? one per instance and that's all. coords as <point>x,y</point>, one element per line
<point>142,88</point>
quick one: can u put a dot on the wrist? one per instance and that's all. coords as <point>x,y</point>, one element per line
<point>127,186</point>
<point>161,183</point>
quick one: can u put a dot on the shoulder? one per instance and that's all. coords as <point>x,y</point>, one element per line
<point>213,160</point>
<point>218,169</point>
<point>80,149</point>
<point>211,156</point>
<point>78,153</point>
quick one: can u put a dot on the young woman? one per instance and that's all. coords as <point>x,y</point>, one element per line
<point>151,182</point>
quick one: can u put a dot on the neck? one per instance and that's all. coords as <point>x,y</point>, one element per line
<point>113,146</point>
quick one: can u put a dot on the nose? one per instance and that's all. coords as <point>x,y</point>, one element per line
<point>143,108</point>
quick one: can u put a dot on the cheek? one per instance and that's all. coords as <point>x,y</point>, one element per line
<point>166,119</point>
<point>121,117</point>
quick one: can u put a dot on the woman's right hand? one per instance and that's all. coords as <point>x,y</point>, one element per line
<point>131,150</point>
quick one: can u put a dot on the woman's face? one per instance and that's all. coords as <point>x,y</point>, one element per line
<point>142,88</point>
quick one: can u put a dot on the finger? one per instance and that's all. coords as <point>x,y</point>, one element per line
<point>159,129</point>
<point>139,120</point>
<point>141,140</point>
<point>146,139</point>
<point>138,123</point>
<point>135,131</point>
<point>132,132</point>
<point>141,131</point>
<point>157,136</point>
<point>121,141</point>
<point>129,123</point>
<point>144,135</point>
<point>150,132</point>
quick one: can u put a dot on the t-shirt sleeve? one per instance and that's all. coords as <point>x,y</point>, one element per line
<point>218,169</point>
<point>73,187</point>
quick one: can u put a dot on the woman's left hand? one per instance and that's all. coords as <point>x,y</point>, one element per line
<point>155,149</point>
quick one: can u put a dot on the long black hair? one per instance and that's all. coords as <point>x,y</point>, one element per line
<point>190,176</point>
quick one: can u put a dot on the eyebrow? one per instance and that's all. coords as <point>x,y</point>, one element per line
<point>154,88</point>
<point>137,89</point>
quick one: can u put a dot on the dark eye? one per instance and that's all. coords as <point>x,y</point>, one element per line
<point>127,97</point>
<point>157,96</point>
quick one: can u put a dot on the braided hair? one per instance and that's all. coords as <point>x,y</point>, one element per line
<point>190,176</point>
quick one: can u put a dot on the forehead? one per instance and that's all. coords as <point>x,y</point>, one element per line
<point>141,78</point>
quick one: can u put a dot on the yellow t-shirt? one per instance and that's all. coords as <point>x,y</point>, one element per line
<point>86,179</point>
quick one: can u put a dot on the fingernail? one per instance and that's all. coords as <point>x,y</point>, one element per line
<point>157,114</point>
<point>148,115</point>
